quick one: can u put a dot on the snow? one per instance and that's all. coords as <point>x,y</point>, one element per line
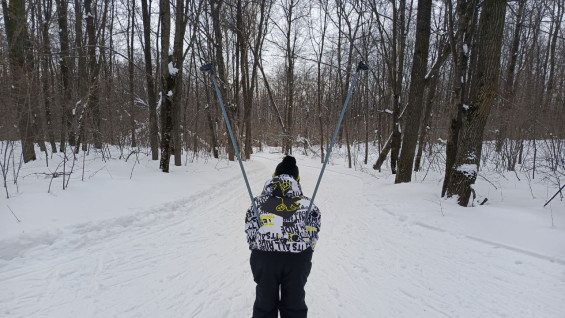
<point>468,169</point>
<point>130,241</point>
<point>170,93</point>
<point>172,69</point>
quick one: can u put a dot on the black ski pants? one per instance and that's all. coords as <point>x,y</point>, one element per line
<point>287,271</point>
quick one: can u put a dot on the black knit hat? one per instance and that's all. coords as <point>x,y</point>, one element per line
<point>287,166</point>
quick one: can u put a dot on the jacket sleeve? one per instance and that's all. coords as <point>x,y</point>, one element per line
<point>314,225</point>
<point>251,227</point>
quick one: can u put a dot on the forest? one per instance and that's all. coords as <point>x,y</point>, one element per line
<point>450,82</point>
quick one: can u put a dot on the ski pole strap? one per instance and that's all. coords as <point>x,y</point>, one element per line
<point>361,66</point>
<point>236,149</point>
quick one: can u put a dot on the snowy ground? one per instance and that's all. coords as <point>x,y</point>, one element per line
<point>172,245</point>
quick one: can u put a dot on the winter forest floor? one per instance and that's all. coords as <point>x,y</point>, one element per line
<point>172,245</point>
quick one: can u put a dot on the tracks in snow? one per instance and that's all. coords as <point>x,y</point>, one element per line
<point>175,261</point>
<point>372,263</point>
<point>190,259</point>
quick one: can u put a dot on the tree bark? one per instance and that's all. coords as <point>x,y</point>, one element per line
<point>415,97</point>
<point>399,46</point>
<point>67,130</point>
<point>167,85</point>
<point>82,77</point>
<point>222,74</point>
<point>94,74</point>
<point>149,79</point>
<point>21,65</point>
<point>484,87</point>
<point>460,47</point>
<point>131,73</point>
<point>44,14</point>
<point>432,87</point>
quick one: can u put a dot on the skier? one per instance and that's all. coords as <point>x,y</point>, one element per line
<point>281,244</point>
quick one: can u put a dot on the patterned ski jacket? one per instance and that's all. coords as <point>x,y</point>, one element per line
<point>282,209</point>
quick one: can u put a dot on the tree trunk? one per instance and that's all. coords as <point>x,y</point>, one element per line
<point>222,74</point>
<point>131,73</point>
<point>432,87</point>
<point>249,81</point>
<point>171,72</point>
<point>44,14</point>
<point>67,130</point>
<point>21,65</point>
<point>167,85</point>
<point>211,126</point>
<point>508,87</point>
<point>459,47</point>
<point>82,76</point>
<point>483,90</point>
<point>415,97</point>
<point>399,46</point>
<point>94,74</point>
<point>149,79</point>
<point>382,155</point>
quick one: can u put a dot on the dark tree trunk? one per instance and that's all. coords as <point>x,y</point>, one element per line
<point>415,97</point>
<point>382,155</point>
<point>399,40</point>
<point>466,25</point>
<point>222,72</point>
<point>167,85</point>
<point>152,100</point>
<point>131,74</point>
<point>21,65</point>
<point>483,90</point>
<point>44,13</point>
<point>432,87</point>
<point>94,74</point>
<point>82,77</point>
<point>171,81</point>
<point>67,130</point>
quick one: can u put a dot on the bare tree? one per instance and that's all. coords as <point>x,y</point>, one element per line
<point>415,97</point>
<point>131,57</point>
<point>483,89</point>
<point>94,74</point>
<point>21,65</point>
<point>150,82</point>
<point>67,130</point>
<point>44,8</point>
<point>171,79</point>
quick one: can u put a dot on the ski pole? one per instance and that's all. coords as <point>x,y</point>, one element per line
<point>210,68</point>
<point>361,67</point>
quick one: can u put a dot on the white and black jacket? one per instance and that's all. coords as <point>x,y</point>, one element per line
<point>282,209</point>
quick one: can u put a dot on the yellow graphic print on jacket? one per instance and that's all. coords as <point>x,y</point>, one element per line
<point>282,209</point>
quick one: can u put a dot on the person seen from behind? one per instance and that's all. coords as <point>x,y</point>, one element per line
<point>282,243</point>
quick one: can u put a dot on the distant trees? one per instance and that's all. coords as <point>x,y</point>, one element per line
<point>114,72</point>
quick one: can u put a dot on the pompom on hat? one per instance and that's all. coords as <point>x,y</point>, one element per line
<point>288,166</point>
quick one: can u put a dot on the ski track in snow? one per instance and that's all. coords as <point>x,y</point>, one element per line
<point>190,259</point>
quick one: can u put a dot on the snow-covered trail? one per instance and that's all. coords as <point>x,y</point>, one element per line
<point>189,259</point>
<point>180,261</point>
<point>372,262</point>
